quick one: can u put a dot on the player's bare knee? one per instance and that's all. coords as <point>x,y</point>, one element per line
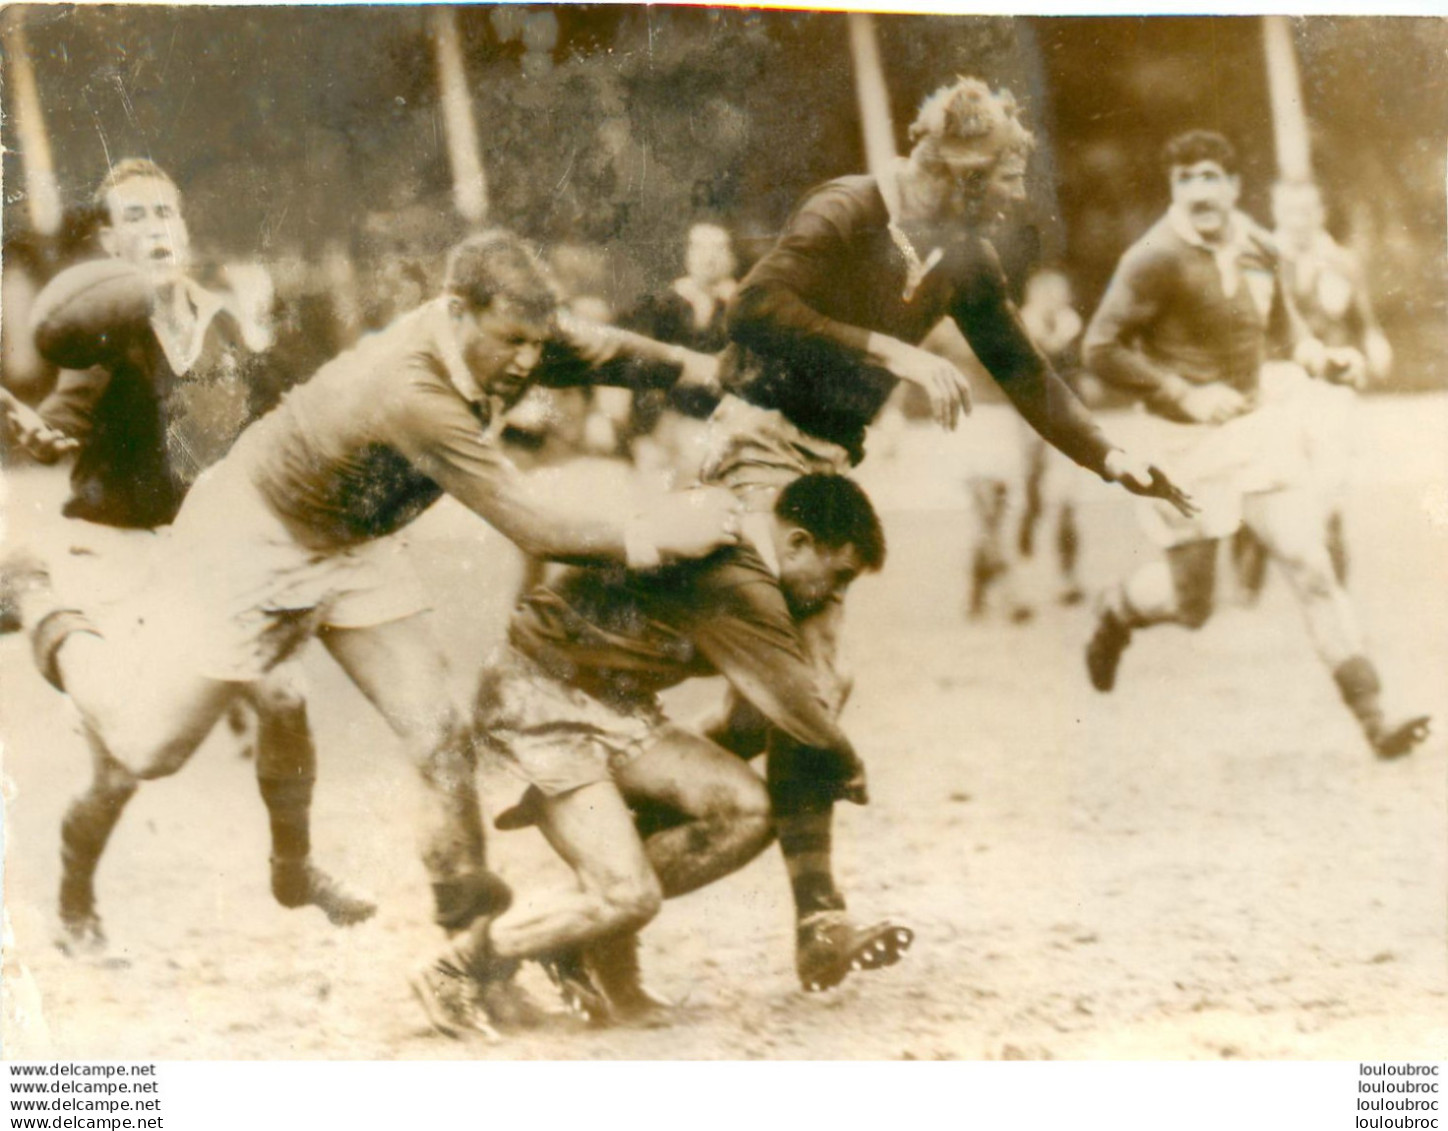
<point>1311,575</point>
<point>147,761</point>
<point>444,754</point>
<point>113,781</point>
<point>278,697</point>
<point>631,901</point>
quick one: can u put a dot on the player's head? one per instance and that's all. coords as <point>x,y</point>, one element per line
<point>141,221</point>
<point>826,534</point>
<point>709,255</point>
<point>1201,167</point>
<point>974,139</point>
<point>1297,212</point>
<point>501,305</point>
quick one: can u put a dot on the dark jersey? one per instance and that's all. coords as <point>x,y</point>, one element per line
<point>1173,308</point>
<point>669,317</point>
<point>802,319</point>
<point>620,636</point>
<point>146,431</point>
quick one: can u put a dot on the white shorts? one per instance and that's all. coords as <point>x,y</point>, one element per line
<point>97,567</point>
<point>1262,451</point>
<point>234,593</point>
<point>1329,416</point>
<point>554,736</point>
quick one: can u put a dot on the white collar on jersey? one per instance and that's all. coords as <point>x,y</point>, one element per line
<point>182,344</point>
<point>438,320</point>
<point>915,268</point>
<point>1226,253</point>
<point>703,302</point>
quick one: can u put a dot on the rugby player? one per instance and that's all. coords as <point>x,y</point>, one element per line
<point>823,328</point>
<point>1186,324</point>
<point>293,534</point>
<point>571,706</point>
<point>1328,285</point>
<point>157,387</point>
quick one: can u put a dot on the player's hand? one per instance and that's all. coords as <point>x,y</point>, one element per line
<point>1311,354</point>
<point>698,371</point>
<point>683,525</point>
<point>24,427</point>
<point>1379,353</point>
<point>1212,404</point>
<point>600,436</point>
<point>852,787</point>
<point>944,384</point>
<point>594,342</point>
<point>1146,479</point>
<point>1344,365</point>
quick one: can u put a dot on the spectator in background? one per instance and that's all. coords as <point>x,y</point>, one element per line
<point>667,428</point>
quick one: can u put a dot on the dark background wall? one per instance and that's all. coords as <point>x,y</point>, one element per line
<point>293,128</point>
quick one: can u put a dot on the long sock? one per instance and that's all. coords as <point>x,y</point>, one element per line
<point>799,781</point>
<point>84,833</point>
<point>1357,681</point>
<point>289,809</point>
<point>806,841</point>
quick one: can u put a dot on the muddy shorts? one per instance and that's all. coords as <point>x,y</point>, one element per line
<point>757,452</point>
<point>554,736</point>
<point>233,593</point>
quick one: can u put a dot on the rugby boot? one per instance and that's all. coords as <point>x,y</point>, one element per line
<point>614,964</point>
<point>1103,651</point>
<point>829,947</point>
<point>452,1001</point>
<point>81,934</point>
<point>300,883</point>
<point>569,973</point>
<point>454,988</point>
<point>509,1006</point>
<point>1357,681</point>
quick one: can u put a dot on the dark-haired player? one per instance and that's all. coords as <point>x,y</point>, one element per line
<point>826,325</point>
<point>1186,324</point>
<point>293,535</point>
<point>571,706</point>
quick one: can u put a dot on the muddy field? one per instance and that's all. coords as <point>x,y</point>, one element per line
<point>1206,864</point>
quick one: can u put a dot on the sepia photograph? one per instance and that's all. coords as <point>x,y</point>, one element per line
<point>649,533</point>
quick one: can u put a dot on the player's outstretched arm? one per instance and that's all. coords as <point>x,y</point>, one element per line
<point>1146,479</point>
<point>25,427</point>
<point>592,353</point>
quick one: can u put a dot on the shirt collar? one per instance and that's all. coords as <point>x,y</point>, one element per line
<point>182,355</point>
<point>435,316</point>
<point>1238,226</point>
<point>758,527</point>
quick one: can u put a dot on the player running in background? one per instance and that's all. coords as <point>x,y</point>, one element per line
<point>155,388</point>
<point>292,535</point>
<point>571,705</point>
<point>823,329</point>
<point>1186,324</point>
<point>1329,288</point>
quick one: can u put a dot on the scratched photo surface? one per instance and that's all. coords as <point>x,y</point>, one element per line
<point>1237,851</point>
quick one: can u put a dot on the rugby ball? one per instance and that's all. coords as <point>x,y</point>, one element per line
<point>86,310</point>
